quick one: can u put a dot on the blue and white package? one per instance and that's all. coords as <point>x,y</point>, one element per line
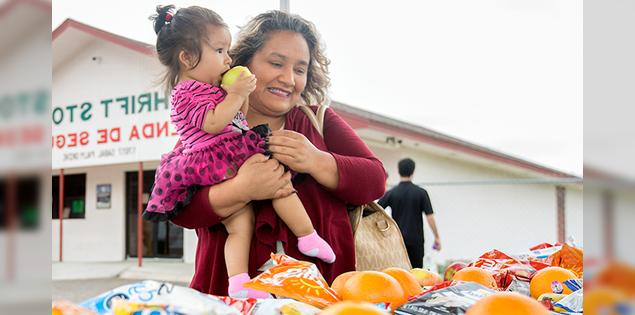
<point>180,299</point>
<point>571,303</point>
<point>573,284</point>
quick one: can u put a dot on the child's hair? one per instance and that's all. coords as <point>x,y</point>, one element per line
<point>256,33</point>
<point>182,30</point>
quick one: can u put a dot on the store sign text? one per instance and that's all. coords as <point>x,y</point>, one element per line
<point>113,135</point>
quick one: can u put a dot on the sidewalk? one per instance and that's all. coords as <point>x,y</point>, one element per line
<point>78,281</point>
<point>152,269</point>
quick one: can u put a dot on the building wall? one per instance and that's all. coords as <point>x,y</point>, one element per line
<point>84,239</point>
<point>622,224</point>
<point>574,215</point>
<point>624,234</point>
<point>25,65</point>
<point>473,219</point>
<point>101,235</point>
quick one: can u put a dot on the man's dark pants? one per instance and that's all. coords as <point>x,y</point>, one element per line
<point>415,254</point>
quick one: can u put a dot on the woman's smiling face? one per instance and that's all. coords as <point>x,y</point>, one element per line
<point>281,67</point>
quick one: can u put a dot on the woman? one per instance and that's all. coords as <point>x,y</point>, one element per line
<point>284,53</point>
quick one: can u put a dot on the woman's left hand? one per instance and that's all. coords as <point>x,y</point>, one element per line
<point>294,150</point>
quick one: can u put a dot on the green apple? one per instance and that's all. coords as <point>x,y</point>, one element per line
<point>232,74</point>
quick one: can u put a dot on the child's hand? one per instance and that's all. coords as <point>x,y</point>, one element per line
<point>244,85</point>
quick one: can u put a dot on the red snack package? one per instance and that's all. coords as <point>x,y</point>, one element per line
<point>538,265</point>
<point>299,280</point>
<point>568,257</point>
<point>519,272</point>
<point>244,306</point>
<point>495,261</point>
<point>541,246</point>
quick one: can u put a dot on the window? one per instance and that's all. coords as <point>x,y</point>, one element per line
<point>74,196</point>
<point>27,201</point>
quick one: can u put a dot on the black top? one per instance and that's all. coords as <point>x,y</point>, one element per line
<point>407,202</point>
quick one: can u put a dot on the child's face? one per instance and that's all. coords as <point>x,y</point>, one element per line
<point>215,59</point>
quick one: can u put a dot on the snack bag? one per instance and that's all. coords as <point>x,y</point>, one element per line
<point>515,278</point>
<point>507,269</point>
<point>570,303</point>
<point>574,284</point>
<point>299,280</point>
<point>283,307</point>
<point>68,308</point>
<point>494,261</point>
<point>244,306</point>
<point>568,257</point>
<point>158,296</point>
<point>455,299</point>
<point>439,286</point>
<point>124,307</point>
<point>538,253</point>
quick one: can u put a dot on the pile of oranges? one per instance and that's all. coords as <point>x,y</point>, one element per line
<point>392,285</point>
<point>359,290</point>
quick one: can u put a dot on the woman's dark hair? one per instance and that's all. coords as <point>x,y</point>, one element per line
<point>255,34</point>
<point>182,30</point>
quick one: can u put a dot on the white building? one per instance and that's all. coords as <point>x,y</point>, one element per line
<point>24,152</point>
<point>110,118</point>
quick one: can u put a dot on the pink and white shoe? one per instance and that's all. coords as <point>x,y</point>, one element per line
<point>237,290</point>
<point>314,246</point>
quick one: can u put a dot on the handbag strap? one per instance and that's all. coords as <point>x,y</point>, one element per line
<point>357,213</point>
<point>316,119</point>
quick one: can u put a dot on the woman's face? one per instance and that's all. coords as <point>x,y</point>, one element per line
<point>281,67</point>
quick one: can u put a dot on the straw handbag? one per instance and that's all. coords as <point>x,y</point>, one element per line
<point>378,240</point>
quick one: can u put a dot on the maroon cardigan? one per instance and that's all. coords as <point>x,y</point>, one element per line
<point>361,180</point>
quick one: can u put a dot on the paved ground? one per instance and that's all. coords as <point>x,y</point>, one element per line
<point>76,281</point>
<point>79,290</point>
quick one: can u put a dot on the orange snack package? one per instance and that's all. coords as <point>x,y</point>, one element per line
<point>299,280</point>
<point>67,308</point>
<point>568,257</point>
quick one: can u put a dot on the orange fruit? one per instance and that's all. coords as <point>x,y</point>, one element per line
<point>506,303</point>
<point>475,274</point>
<point>541,281</point>
<point>352,308</point>
<point>602,300</point>
<point>374,287</point>
<point>408,282</point>
<point>338,283</point>
<point>617,275</point>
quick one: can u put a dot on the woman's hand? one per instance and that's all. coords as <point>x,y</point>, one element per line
<point>294,150</point>
<point>260,178</point>
<point>297,152</point>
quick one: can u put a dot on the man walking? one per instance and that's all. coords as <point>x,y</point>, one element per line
<point>408,202</point>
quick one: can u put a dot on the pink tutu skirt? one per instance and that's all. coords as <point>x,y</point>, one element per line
<point>181,174</point>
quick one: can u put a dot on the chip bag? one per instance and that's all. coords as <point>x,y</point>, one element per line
<point>125,307</point>
<point>299,280</point>
<point>283,307</point>
<point>455,299</point>
<point>494,261</point>
<point>68,308</point>
<point>568,257</point>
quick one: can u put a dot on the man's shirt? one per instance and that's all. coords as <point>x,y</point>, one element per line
<point>407,202</point>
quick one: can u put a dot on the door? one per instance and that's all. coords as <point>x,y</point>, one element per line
<point>160,239</point>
